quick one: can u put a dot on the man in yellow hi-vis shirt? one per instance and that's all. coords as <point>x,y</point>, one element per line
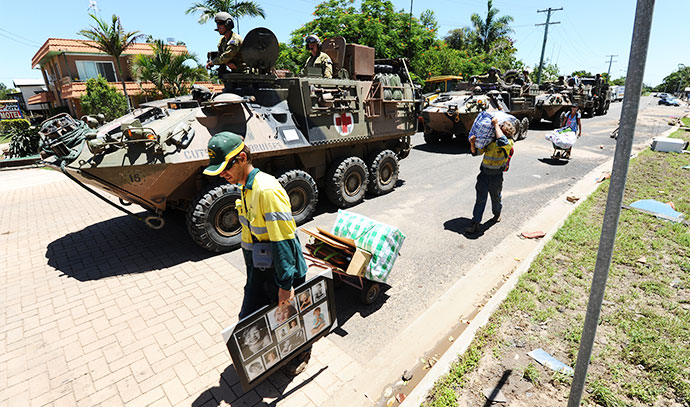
<point>272,252</point>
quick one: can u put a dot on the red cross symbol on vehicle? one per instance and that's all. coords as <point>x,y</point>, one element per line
<point>343,121</point>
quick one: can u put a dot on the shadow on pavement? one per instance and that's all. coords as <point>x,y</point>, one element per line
<point>348,303</point>
<point>553,161</point>
<point>450,147</point>
<point>458,226</point>
<point>229,390</point>
<point>123,245</point>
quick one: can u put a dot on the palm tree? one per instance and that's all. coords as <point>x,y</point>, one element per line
<point>491,29</point>
<point>169,72</point>
<point>113,40</point>
<point>209,8</point>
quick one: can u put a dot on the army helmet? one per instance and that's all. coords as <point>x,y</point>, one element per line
<point>312,39</point>
<point>224,18</point>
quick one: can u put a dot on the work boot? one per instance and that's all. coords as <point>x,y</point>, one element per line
<point>298,364</point>
<point>473,228</point>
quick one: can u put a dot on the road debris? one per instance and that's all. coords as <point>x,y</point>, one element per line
<point>533,235</point>
<point>545,359</point>
<point>388,392</point>
<point>605,175</point>
<point>390,402</point>
<point>400,397</point>
<point>572,198</point>
<point>642,260</point>
<point>659,209</point>
<point>495,395</point>
<point>407,376</point>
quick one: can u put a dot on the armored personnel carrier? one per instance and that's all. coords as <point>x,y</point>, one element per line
<point>341,136</point>
<point>596,96</point>
<point>453,113</point>
<point>552,105</point>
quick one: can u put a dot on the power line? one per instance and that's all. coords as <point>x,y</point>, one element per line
<point>19,36</point>
<point>21,42</point>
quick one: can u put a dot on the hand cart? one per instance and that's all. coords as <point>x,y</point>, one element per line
<point>369,290</point>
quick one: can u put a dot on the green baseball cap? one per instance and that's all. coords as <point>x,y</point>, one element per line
<point>222,148</point>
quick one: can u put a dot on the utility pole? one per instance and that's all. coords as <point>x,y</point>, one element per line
<point>546,33</point>
<point>610,62</point>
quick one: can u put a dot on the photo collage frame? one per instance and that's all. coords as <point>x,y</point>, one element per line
<point>266,340</point>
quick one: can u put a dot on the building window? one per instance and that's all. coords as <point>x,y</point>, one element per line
<point>91,69</point>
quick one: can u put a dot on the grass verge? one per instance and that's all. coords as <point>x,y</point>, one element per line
<point>642,350</point>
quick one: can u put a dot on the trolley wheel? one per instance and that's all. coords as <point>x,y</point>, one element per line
<point>370,292</point>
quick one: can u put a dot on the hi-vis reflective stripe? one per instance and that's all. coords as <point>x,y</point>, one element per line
<point>257,230</point>
<point>274,216</point>
<point>247,246</point>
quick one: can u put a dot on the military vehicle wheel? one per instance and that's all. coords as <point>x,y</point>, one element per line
<point>303,194</point>
<point>346,182</point>
<point>432,137</point>
<point>212,220</point>
<point>524,127</point>
<point>383,172</point>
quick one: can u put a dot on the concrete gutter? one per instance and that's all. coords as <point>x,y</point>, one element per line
<point>552,217</point>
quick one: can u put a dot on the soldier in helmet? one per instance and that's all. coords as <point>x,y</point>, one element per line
<point>318,58</point>
<point>229,45</point>
<point>525,76</point>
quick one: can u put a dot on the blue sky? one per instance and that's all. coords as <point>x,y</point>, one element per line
<point>589,30</point>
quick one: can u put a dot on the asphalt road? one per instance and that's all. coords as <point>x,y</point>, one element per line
<point>433,204</point>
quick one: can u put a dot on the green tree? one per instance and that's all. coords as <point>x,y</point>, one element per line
<point>113,40</point>
<point>375,23</point>
<point>620,81</point>
<point>209,8</point>
<point>459,38</point>
<point>169,72</point>
<point>4,91</point>
<point>550,72</point>
<point>582,74</point>
<point>103,98</point>
<point>676,80</point>
<point>491,31</point>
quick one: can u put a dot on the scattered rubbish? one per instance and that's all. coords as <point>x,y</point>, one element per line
<point>656,208</point>
<point>529,394</point>
<point>451,339</point>
<point>605,175</point>
<point>390,402</point>
<point>400,397</point>
<point>545,359</point>
<point>407,376</point>
<point>388,392</point>
<point>642,260</point>
<point>572,198</point>
<point>517,259</point>
<point>533,235</point>
<point>668,145</point>
<point>675,283</point>
<point>687,167</point>
<point>516,357</point>
<point>536,175</point>
<point>519,343</point>
<point>601,147</point>
<point>671,204</point>
<point>495,395</point>
<point>399,383</point>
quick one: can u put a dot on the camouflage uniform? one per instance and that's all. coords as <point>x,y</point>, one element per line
<point>322,60</point>
<point>228,51</point>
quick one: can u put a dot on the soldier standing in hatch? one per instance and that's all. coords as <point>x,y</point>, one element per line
<point>229,45</point>
<point>318,58</point>
<point>271,249</point>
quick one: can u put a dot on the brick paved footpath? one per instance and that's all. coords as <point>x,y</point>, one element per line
<point>97,309</point>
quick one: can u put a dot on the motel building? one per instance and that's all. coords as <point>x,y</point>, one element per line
<point>66,65</point>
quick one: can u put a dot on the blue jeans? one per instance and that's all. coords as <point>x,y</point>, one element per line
<point>488,184</point>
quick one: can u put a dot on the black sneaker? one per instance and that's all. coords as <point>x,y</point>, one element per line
<point>473,228</point>
<point>298,364</point>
